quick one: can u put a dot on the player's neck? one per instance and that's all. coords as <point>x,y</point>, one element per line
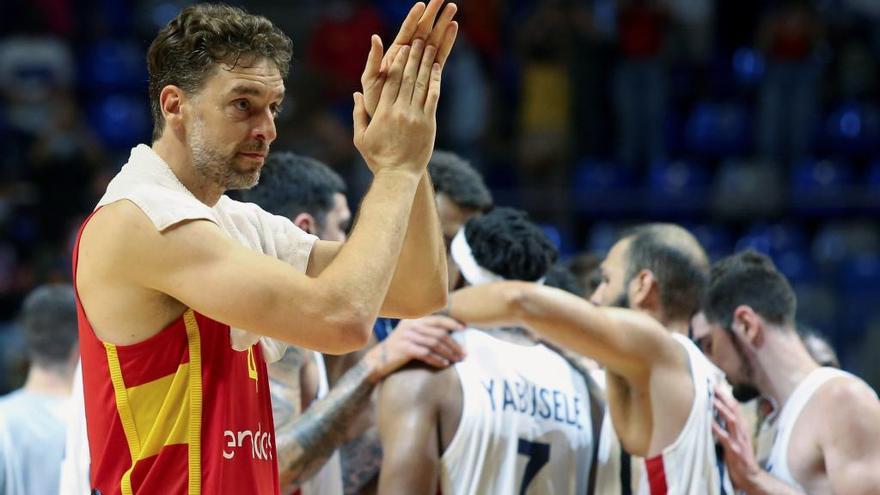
<point>783,364</point>
<point>178,158</point>
<point>46,381</point>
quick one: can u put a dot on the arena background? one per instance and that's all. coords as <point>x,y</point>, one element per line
<point>754,123</point>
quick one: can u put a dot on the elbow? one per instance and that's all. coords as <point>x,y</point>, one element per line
<point>421,305</point>
<point>352,332</point>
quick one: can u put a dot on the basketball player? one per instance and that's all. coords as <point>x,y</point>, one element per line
<point>177,283</point>
<point>659,385</point>
<point>514,416</point>
<point>750,310</point>
<point>313,196</point>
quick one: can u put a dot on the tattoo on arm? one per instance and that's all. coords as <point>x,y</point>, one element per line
<point>361,460</point>
<point>306,444</point>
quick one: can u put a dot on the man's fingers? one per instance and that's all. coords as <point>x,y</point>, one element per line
<point>426,23</point>
<point>411,72</point>
<point>374,61</point>
<point>438,345</point>
<point>445,46</point>
<point>443,322</point>
<point>439,31</point>
<point>359,115</point>
<point>410,24</point>
<point>424,77</point>
<point>426,355</point>
<point>721,435</point>
<point>392,82</point>
<point>433,91</point>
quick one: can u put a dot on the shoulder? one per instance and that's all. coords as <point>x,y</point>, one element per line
<point>417,384</point>
<point>861,417</point>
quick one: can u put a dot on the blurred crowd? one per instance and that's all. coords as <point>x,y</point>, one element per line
<point>753,123</point>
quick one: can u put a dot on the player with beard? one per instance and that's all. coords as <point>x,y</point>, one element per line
<point>178,285</point>
<point>749,311</point>
<point>659,384</point>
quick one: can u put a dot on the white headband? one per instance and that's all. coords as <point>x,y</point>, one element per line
<point>472,272</point>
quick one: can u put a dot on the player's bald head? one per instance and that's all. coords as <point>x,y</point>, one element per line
<point>677,261</point>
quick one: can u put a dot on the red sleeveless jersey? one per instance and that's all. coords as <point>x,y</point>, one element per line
<point>179,413</point>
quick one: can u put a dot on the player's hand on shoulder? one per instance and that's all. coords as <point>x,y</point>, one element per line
<point>426,339</point>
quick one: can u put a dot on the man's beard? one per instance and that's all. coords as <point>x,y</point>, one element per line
<point>216,167</point>
<point>744,392</point>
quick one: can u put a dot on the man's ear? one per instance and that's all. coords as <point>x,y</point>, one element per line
<point>749,326</point>
<point>644,290</point>
<point>171,100</point>
<point>307,223</point>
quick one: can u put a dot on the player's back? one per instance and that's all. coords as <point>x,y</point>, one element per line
<point>525,423</point>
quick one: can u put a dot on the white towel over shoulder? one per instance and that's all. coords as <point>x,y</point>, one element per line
<point>148,182</point>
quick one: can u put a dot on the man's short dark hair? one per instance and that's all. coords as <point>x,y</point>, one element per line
<point>561,277</point>
<point>505,242</point>
<point>751,279</point>
<point>48,319</point>
<point>587,270</point>
<point>453,176</point>
<point>678,262</point>
<point>188,49</point>
<point>291,184</point>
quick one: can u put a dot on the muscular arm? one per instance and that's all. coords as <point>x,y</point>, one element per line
<point>851,444</point>
<point>408,415</point>
<point>628,343</point>
<point>304,445</point>
<point>420,278</point>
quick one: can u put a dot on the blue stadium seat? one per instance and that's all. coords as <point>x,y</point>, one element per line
<point>822,187</point>
<point>715,239</point>
<point>718,130</point>
<point>121,121</point>
<point>853,128</point>
<point>680,181</point>
<point>601,187</point>
<point>602,237</point>
<point>773,238</point>
<point>113,65</point>
<point>748,66</point>
<point>859,286</point>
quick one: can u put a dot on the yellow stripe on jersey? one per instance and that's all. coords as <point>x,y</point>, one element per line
<point>195,403</point>
<point>125,414</point>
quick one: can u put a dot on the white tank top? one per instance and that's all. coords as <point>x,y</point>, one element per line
<point>327,481</point>
<point>777,461</point>
<point>525,423</point>
<point>690,466</point>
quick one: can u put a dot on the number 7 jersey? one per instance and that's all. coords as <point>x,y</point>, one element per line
<point>525,424</point>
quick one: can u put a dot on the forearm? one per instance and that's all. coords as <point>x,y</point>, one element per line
<point>361,273</point>
<point>308,442</point>
<point>420,282</point>
<point>763,483</point>
<point>361,460</point>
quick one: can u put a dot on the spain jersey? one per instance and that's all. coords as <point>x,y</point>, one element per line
<point>179,413</point>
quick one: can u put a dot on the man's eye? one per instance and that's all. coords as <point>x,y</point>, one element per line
<point>242,105</point>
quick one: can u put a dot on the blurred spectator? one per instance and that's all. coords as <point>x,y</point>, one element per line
<point>32,419</point>
<point>789,36</point>
<point>818,347</point>
<point>544,107</point>
<point>340,43</point>
<point>640,86</point>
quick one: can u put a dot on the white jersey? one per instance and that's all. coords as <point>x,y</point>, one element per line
<point>525,424</point>
<point>777,462</point>
<point>689,466</point>
<point>327,481</point>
